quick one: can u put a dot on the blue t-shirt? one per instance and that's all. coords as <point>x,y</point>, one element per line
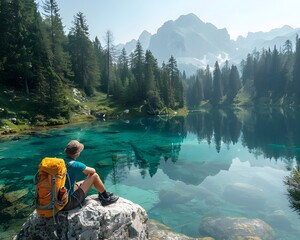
<point>74,170</point>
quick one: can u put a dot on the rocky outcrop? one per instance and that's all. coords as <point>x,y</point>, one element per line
<point>121,220</point>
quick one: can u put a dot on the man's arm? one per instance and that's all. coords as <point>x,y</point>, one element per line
<point>89,171</point>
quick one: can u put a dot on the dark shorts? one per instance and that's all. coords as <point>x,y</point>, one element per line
<point>76,200</point>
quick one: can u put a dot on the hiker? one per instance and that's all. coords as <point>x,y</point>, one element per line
<point>78,190</point>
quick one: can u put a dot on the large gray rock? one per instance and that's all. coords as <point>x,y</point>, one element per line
<point>121,220</point>
<point>237,228</point>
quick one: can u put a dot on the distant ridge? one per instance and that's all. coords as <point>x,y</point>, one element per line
<point>195,43</point>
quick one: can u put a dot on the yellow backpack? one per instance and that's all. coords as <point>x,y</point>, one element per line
<point>50,195</point>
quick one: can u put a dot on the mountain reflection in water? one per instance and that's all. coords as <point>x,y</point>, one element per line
<point>181,169</point>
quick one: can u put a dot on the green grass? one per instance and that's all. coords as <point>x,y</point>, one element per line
<point>81,108</point>
<point>29,113</point>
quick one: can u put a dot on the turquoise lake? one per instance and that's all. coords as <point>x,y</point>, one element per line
<point>181,170</point>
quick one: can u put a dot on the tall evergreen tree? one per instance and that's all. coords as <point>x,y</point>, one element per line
<point>5,26</point>
<point>296,71</point>
<point>248,69</point>
<point>174,84</point>
<point>150,69</point>
<point>151,82</point>
<point>288,47</point>
<point>99,54</point>
<point>207,84</point>
<point>138,63</point>
<point>18,29</point>
<point>83,56</point>
<point>234,84</point>
<point>123,66</point>
<point>197,92</point>
<point>225,73</point>
<point>217,84</point>
<point>277,84</point>
<point>59,58</point>
<point>109,58</point>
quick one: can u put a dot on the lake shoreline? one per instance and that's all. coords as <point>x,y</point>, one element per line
<point>30,129</point>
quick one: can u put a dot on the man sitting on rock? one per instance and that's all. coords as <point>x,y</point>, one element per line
<point>78,190</point>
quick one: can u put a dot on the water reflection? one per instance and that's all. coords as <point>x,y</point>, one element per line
<point>275,134</point>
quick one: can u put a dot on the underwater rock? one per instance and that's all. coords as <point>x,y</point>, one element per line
<point>14,196</point>
<point>3,187</point>
<point>173,196</point>
<point>237,228</point>
<point>245,195</point>
<point>2,190</point>
<point>159,231</point>
<point>29,178</point>
<point>17,210</point>
<point>117,157</point>
<point>279,219</point>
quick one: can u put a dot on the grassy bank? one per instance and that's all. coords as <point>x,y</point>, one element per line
<point>20,113</point>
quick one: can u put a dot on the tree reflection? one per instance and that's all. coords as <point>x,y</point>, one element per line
<point>275,134</point>
<point>218,124</point>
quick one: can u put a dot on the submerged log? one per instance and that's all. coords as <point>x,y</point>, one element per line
<point>138,154</point>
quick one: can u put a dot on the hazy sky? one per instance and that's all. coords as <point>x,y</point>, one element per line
<point>126,19</point>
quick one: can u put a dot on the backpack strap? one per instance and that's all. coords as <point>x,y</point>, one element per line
<point>70,164</point>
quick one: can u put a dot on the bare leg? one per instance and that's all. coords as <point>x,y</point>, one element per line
<point>78,184</point>
<point>91,180</point>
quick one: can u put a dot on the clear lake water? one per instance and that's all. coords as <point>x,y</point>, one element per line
<point>180,170</point>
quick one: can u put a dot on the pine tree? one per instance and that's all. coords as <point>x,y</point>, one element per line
<point>207,84</point>
<point>234,83</point>
<point>83,57</point>
<point>174,85</point>
<point>288,47</point>
<point>5,26</point>
<point>151,83</point>
<point>59,58</point>
<point>248,69</point>
<point>123,66</point>
<point>150,70</point>
<point>99,54</point>
<point>17,55</point>
<point>197,92</point>
<point>109,57</point>
<point>225,73</point>
<point>138,63</point>
<point>217,87</point>
<point>296,71</point>
<point>277,86</point>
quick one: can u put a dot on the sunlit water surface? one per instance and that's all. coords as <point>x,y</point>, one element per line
<point>178,176</point>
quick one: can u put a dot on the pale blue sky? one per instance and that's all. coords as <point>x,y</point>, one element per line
<point>126,19</point>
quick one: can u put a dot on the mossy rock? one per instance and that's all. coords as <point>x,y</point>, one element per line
<point>237,229</point>
<point>14,196</point>
<point>159,231</point>
<point>19,210</point>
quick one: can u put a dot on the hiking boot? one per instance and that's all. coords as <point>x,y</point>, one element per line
<point>109,194</point>
<point>109,200</point>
